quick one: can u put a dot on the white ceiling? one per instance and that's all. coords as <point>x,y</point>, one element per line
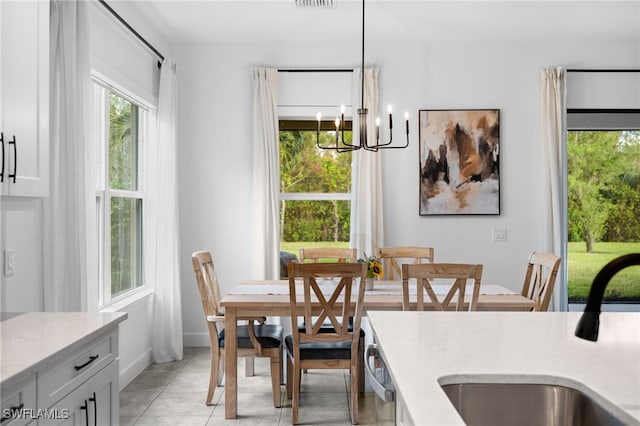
<point>275,21</point>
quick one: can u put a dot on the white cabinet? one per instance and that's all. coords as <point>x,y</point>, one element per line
<point>82,386</point>
<point>18,400</point>
<point>24,98</point>
<point>76,386</point>
<point>94,403</point>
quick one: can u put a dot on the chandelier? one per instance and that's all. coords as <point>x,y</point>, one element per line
<point>341,145</point>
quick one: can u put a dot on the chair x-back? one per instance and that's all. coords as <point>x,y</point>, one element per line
<point>314,346</point>
<point>424,274</point>
<point>253,340</point>
<point>394,257</point>
<point>540,278</point>
<point>339,255</point>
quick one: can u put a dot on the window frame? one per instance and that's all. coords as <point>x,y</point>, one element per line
<point>304,124</point>
<point>592,119</point>
<point>101,90</point>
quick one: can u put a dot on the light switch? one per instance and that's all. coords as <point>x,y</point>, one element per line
<point>9,262</point>
<point>499,235</point>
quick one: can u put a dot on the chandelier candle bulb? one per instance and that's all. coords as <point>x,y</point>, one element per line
<point>390,118</point>
<point>319,118</point>
<point>377,130</point>
<point>406,120</point>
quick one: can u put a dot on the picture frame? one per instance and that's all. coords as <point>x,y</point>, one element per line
<point>459,162</point>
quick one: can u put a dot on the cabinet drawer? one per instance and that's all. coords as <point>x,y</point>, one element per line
<point>56,382</point>
<point>18,403</point>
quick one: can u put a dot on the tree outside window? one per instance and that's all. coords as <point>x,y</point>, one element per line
<point>603,209</point>
<point>315,187</point>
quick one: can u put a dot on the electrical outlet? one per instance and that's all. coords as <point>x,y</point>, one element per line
<point>499,235</point>
<point>9,262</point>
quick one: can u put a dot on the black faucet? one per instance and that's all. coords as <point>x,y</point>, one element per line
<point>590,321</point>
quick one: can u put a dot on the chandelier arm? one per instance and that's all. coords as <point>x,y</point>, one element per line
<point>346,148</point>
<point>338,148</point>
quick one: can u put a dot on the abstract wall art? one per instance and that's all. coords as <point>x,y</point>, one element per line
<point>459,162</point>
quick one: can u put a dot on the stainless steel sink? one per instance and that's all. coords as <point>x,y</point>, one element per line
<point>530,404</point>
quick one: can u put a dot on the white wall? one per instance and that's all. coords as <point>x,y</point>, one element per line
<point>21,231</point>
<point>214,135</point>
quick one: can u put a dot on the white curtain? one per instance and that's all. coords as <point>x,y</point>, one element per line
<point>367,225</point>
<point>161,219</point>
<point>553,95</point>
<point>265,229</point>
<point>66,210</point>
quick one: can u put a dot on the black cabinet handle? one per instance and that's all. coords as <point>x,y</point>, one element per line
<point>91,359</point>
<point>86,412</point>
<point>2,170</point>
<point>12,413</point>
<point>15,159</point>
<point>95,409</point>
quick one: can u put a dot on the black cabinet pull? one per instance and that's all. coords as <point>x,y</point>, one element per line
<point>15,159</point>
<point>2,170</point>
<point>86,412</point>
<point>91,359</point>
<point>95,409</point>
<point>12,413</point>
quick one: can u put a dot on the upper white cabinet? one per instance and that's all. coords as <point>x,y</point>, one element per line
<point>24,98</point>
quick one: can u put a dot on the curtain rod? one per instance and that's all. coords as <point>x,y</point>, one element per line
<point>134,32</point>
<point>603,70</point>
<point>603,110</point>
<point>315,70</point>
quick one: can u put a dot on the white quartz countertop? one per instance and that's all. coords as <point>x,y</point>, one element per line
<point>31,340</point>
<point>423,348</point>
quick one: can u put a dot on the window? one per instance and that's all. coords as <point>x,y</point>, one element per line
<point>315,187</point>
<point>120,131</point>
<point>603,175</point>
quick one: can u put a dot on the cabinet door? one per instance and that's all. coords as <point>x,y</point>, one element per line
<point>24,95</point>
<point>18,403</point>
<point>96,402</point>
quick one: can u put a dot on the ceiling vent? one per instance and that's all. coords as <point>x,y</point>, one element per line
<point>315,3</point>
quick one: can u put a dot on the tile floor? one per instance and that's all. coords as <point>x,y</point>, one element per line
<point>174,393</point>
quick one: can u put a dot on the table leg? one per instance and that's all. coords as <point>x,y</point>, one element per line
<point>231,364</point>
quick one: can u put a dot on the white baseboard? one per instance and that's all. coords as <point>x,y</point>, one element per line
<point>195,339</point>
<point>131,371</point>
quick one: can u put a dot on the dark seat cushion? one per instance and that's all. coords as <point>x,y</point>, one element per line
<point>341,350</point>
<point>269,336</point>
<point>328,328</point>
<point>285,258</point>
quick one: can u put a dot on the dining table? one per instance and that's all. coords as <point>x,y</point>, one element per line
<point>270,298</point>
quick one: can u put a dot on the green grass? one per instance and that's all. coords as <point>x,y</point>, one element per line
<point>583,267</point>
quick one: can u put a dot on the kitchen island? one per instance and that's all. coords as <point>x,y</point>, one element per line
<point>59,366</point>
<point>424,350</point>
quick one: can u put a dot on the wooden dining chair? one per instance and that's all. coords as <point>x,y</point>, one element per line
<point>313,347</point>
<point>253,340</point>
<point>328,254</point>
<point>455,297</point>
<point>540,278</point>
<point>339,255</point>
<point>394,257</point>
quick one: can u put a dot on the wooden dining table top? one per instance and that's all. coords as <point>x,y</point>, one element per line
<point>271,297</point>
